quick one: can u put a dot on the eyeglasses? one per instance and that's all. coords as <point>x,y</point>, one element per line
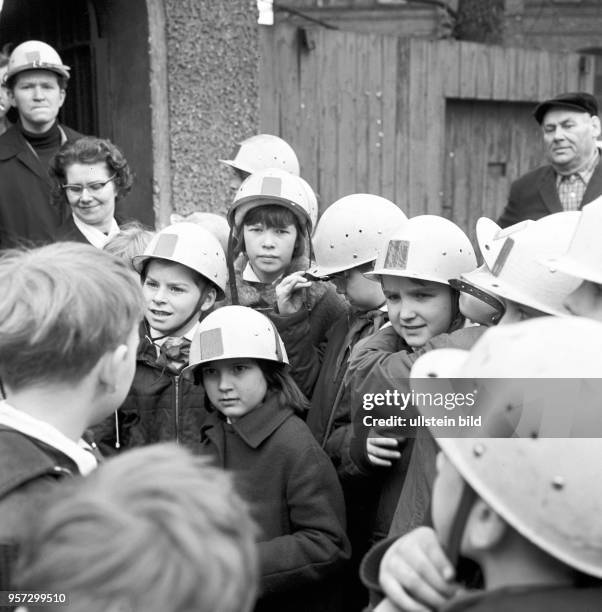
<point>95,187</point>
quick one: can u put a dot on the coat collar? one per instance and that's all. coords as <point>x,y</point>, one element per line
<point>258,425</point>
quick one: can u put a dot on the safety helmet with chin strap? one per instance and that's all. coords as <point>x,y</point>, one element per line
<point>519,273</point>
<point>535,456</point>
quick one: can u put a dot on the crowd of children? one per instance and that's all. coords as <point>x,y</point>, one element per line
<point>258,349</point>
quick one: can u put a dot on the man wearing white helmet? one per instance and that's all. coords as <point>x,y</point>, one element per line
<point>36,82</point>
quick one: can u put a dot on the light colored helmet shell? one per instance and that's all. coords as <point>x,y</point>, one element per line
<point>584,256</point>
<point>192,246</point>
<point>35,55</point>
<point>427,247</point>
<point>351,230</point>
<point>519,273</point>
<point>544,487</point>
<point>261,152</point>
<point>274,186</point>
<point>236,332</point>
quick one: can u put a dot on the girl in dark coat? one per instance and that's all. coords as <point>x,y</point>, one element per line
<point>282,471</point>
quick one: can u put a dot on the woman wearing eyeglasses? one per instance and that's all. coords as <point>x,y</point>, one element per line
<point>91,176</point>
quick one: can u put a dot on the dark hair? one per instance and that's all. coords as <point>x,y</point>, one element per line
<point>282,384</point>
<point>272,216</point>
<point>279,382</point>
<point>89,150</point>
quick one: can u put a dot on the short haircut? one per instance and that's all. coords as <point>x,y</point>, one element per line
<point>131,240</point>
<point>89,150</point>
<point>155,529</point>
<point>63,307</point>
<point>272,216</point>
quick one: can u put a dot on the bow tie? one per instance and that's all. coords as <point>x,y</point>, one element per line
<point>174,353</point>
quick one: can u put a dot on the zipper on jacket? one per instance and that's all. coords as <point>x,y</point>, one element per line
<point>177,406</point>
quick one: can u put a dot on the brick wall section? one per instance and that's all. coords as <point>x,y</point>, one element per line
<point>213,96</point>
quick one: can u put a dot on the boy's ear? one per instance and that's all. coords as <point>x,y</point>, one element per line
<point>485,528</point>
<point>111,367</point>
<point>209,297</point>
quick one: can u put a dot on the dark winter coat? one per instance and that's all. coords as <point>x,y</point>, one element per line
<point>29,469</point>
<point>381,362</point>
<point>296,500</point>
<point>303,333</point>
<point>160,406</point>
<point>26,213</point>
<point>534,195</point>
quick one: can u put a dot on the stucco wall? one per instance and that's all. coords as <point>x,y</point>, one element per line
<point>212,55</point>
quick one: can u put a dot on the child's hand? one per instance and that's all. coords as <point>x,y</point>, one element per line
<point>415,574</point>
<point>382,451</point>
<point>288,293</point>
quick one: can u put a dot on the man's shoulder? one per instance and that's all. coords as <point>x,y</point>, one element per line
<point>11,142</point>
<point>71,133</point>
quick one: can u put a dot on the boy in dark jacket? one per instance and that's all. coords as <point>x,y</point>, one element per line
<point>68,340</point>
<point>183,272</point>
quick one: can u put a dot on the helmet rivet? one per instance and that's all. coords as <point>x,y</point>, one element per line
<point>478,450</point>
<point>558,483</point>
<point>355,256</point>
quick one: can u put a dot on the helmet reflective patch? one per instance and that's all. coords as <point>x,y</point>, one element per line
<point>397,254</point>
<point>500,261</point>
<point>212,345</point>
<point>271,186</point>
<point>166,245</point>
<point>32,57</point>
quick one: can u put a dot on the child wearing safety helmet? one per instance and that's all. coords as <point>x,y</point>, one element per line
<point>271,220</point>
<point>518,273</point>
<point>508,495</point>
<point>258,153</point>
<point>253,430</point>
<point>583,260</point>
<point>346,244</point>
<point>183,272</point>
<point>414,266</point>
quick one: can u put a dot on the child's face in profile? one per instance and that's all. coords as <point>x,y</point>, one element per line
<point>586,301</point>
<point>234,386</point>
<point>171,293</point>
<point>269,249</point>
<point>418,310</point>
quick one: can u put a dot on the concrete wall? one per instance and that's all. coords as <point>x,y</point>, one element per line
<point>212,68</point>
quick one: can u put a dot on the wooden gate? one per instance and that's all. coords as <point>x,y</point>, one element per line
<point>438,127</point>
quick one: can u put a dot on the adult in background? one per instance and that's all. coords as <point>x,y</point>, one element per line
<point>91,176</point>
<point>35,83</point>
<point>570,127</point>
<point>4,103</point>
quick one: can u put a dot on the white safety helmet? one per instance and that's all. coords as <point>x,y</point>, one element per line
<point>236,332</point>
<point>274,186</point>
<point>519,272</point>
<point>351,230</point>
<point>545,487</point>
<point>427,247</point>
<point>192,246</point>
<point>584,256</point>
<point>35,55</point>
<point>261,152</point>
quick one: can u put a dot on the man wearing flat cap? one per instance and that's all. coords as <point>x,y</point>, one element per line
<point>570,128</point>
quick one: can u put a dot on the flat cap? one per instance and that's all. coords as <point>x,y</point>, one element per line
<point>577,100</point>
